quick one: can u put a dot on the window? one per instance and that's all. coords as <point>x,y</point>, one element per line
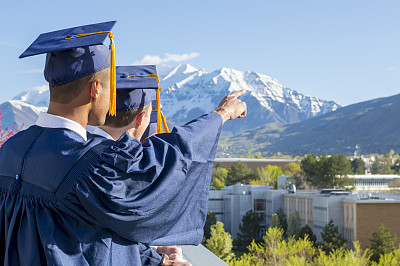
<point>259,204</point>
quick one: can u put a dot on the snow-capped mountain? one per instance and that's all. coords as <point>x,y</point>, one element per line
<point>37,96</point>
<point>189,92</point>
<point>21,113</point>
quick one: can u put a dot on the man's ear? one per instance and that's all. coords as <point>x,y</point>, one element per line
<point>139,118</point>
<point>95,89</point>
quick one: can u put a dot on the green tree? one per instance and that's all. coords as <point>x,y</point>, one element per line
<point>358,166</point>
<point>282,220</point>
<point>382,242</point>
<point>381,167</point>
<point>294,225</point>
<point>267,176</point>
<point>341,168</point>
<point>344,257</point>
<point>219,172</point>
<point>331,239</point>
<point>220,242</point>
<point>307,231</point>
<point>217,184</point>
<point>327,171</point>
<point>392,258</point>
<point>311,169</point>
<point>274,250</point>
<point>238,172</point>
<point>292,169</point>
<point>210,220</point>
<point>249,229</point>
<point>274,221</point>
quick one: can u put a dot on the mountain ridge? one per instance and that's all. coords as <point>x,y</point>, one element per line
<point>370,125</point>
<point>189,92</point>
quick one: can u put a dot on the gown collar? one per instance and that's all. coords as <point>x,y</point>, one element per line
<point>55,121</point>
<point>101,132</point>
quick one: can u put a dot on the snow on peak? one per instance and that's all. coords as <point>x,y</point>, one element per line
<point>37,96</point>
<point>191,94</point>
<point>181,69</point>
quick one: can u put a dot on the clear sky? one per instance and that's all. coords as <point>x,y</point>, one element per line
<point>343,50</point>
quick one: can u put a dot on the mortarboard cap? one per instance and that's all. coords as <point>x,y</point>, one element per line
<point>76,52</point>
<point>133,91</point>
<point>133,84</point>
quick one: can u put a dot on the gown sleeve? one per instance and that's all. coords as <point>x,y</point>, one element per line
<point>155,193</point>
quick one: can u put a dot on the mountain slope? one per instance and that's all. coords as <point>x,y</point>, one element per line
<point>373,125</point>
<point>23,114</point>
<point>189,92</point>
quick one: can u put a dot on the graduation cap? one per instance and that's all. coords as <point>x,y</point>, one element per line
<point>134,85</point>
<point>77,52</point>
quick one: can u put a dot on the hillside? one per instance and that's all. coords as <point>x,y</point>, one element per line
<point>373,125</point>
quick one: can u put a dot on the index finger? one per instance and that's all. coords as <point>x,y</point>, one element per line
<point>237,93</point>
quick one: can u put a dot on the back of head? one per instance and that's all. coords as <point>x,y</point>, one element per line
<point>134,85</point>
<point>125,118</point>
<point>67,92</point>
<point>75,57</point>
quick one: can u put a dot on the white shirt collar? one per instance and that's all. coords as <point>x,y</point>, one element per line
<point>101,132</point>
<point>55,121</point>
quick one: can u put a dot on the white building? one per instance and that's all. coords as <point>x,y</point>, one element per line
<point>316,208</point>
<point>231,203</point>
<point>373,182</point>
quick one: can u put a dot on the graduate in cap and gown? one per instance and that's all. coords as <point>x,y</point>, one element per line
<point>137,114</point>
<point>70,200</point>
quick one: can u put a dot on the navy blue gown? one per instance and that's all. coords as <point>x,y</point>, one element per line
<point>67,201</point>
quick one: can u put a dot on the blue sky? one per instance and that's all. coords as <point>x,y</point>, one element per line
<point>345,51</point>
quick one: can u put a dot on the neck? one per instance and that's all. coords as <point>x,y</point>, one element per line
<point>78,114</point>
<point>116,133</point>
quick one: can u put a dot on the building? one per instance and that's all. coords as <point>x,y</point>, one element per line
<point>373,182</point>
<point>231,203</point>
<point>302,202</point>
<point>254,163</point>
<point>363,216</point>
<point>357,215</point>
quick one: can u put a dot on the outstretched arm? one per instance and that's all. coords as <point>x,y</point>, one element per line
<point>157,193</point>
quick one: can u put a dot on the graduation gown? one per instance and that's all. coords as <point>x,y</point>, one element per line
<point>67,201</point>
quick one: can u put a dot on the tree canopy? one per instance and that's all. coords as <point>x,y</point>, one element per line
<point>249,229</point>
<point>382,242</point>
<point>220,242</point>
<point>327,171</point>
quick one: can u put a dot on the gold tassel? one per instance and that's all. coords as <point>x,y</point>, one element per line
<point>113,83</point>
<point>159,125</point>
<point>165,124</point>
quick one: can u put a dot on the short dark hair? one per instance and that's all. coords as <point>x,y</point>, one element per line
<point>124,118</point>
<point>67,92</point>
